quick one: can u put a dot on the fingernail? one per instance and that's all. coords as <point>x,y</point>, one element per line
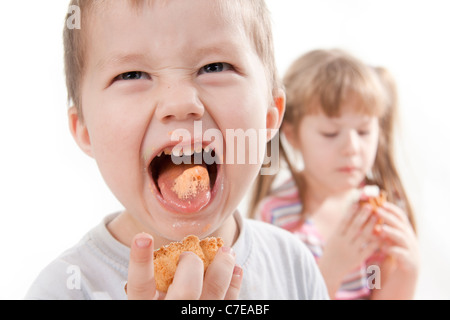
<point>143,241</point>
<point>377,229</point>
<point>367,209</point>
<point>237,271</point>
<point>228,250</point>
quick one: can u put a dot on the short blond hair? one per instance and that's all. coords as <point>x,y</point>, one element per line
<point>253,14</point>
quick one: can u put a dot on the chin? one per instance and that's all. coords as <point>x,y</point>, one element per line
<point>175,227</point>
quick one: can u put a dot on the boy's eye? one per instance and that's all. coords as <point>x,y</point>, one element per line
<point>215,67</point>
<point>133,75</point>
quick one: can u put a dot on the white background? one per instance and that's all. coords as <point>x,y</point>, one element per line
<point>51,193</point>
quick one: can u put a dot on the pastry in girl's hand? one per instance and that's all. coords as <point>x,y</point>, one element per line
<point>373,196</point>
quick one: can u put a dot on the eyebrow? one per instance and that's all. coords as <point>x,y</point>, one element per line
<point>362,122</point>
<point>120,59</point>
<point>135,58</point>
<point>212,50</point>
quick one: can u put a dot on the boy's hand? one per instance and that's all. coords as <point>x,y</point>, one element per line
<point>222,279</point>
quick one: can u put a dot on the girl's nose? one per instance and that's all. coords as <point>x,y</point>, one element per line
<point>178,102</point>
<point>351,142</point>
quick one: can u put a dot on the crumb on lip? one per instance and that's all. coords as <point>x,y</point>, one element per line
<point>147,153</point>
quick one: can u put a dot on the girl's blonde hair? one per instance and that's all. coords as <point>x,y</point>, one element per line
<point>323,80</point>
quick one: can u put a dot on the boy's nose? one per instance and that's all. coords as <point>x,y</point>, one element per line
<point>178,102</point>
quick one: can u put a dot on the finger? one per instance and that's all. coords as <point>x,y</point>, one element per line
<point>219,274</point>
<point>388,218</point>
<point>396,211</point>
<point>235,284</point>
<point>402,258</point>
<point>368,248</point>
<point>395,235</point>
<point>188,280</point>
<point>368,240</point>
<point>392,220</point>
<point>141,282</point>
<point>354,229</point>
<point>367,231</point>
<point>348,217</point>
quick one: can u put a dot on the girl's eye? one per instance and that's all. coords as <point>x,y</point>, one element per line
<point>363,132</point>
<point>329,134</point>
<point>215,67</point>
<point>133,75</point>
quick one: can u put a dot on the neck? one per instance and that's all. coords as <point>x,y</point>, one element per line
<point>318,196</point>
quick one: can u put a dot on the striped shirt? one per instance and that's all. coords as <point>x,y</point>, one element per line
<point>283,209</point>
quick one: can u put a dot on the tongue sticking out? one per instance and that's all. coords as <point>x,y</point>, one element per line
<point>185,187</point>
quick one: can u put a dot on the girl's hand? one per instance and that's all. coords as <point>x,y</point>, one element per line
<point>353,241</point>
<point>222,279</point>
<point>399,269</point>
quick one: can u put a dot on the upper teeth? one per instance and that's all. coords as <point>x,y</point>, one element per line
<point>180,151</point>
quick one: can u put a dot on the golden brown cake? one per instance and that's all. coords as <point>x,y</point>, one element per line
<point>166,258</point>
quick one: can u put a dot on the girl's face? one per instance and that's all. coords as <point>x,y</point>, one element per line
<point>337,152</point>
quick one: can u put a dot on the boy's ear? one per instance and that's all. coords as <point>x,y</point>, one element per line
<point>79,131</point>
<point>275,114</point>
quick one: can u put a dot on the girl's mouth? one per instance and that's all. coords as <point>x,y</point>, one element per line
<point>185,179</point>
<point>347,169</point>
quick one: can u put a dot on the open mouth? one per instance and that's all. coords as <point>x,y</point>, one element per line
<point>185,177</point>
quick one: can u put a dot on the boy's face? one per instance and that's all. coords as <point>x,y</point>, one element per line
<point>151,72</point>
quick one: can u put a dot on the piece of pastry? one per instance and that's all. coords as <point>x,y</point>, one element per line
<point>166,258</point>
<point>375,197</point>
<point>191,182</point>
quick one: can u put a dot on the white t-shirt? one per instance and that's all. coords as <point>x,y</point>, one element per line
<point>276,266</point>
